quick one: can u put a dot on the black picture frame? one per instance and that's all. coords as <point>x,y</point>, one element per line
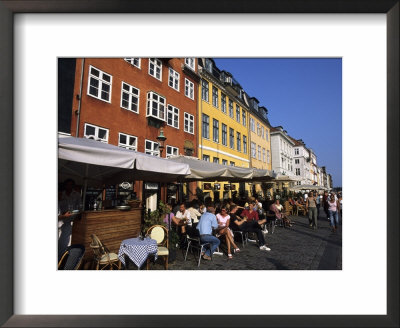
<point>11,7</point>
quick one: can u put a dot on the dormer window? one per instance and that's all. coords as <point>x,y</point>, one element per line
<point>209,65</point>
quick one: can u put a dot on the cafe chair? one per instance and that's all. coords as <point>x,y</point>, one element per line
<point>243,235</point>
<point>102,256</point>
<point>160,234</point>
<point>194,242</point>
<point>271,221</point>
<point>301,209</point>
<point>72,258</point>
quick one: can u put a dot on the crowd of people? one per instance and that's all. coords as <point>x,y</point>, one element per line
<point>216,222</point>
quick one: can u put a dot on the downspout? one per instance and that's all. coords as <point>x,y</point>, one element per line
<point>80,99</point>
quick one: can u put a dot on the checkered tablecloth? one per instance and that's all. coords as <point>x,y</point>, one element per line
<point>137,250</point>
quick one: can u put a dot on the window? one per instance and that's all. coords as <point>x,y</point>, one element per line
<point>216,160</point>
<point>238,141</point>
<point>268,156</point>
<point>262,132</point>
<point>252,128</point>
<point>190,62</point>
<point>206,129</point>
<point>223,103</point>
<point>245,144</point>
<point>263,154</point>
<point>297,161</point>
<point>173,116</point>
<point>127,141</point>
<point>155,106</point>
<point>230,108</point>
<point>243,117</point>
<point>172,151</point>
<point>189,89</point>
<point>266,135</point>
<point>253,150</point>
<point>215,130</point>
<point>173,79</point>
<point>204,90</point>
<point>152,148</point>
<point>130,97</point>
<point>297,171</point>
<point>215,96</point>
<point>259,152</point>
<point>238,113</point>
<point>206,158</point>
<point>99,85</point>
<point>258,129</point>
<point>96,132</point>
<point>232,163</point>
<point>133,61</point>
<point>189,123</point>
<point>155,68</point>
<point>231,138</point>
<point>296,151</point>
<point>224,162</point>
<point>224,135</point>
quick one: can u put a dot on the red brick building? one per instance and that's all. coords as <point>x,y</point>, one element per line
<point>125,102</point>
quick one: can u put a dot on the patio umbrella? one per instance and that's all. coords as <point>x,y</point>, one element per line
<point>206,171</point>
<point>308,187</point>
<point>94,162</point>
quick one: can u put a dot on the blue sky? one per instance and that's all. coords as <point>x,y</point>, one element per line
<point>304,95</point>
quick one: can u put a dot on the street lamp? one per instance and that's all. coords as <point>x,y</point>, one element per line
<point>161,139</point>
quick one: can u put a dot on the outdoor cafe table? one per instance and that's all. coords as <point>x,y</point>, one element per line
<point>137,250</point>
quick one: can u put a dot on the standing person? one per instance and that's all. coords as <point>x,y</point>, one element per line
<point>223,230</point>
<point>318,201</point>
<point>69,200</point>
<point>242,224</point>
<point>311,208</point>
<point>325,199</point>
<point>333,208</point>
<point>207,223</point>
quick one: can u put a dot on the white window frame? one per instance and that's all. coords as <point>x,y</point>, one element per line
<point>205,90</point>
<point>238,141</point>
<point>151,151</point>
<point>206,158</point>
<point>173,78</point>
<point>156,69</point>
<point>215,128</point>
<point>252,125</point>
<point>225,162</point>
<point>190,62</point>
<point>263,155</point>
<point>216,160</point>
<point>244,117</point>
<point>268,156</point>
<point>222,134</point>
<point>258,129</point>
<point>231,108</point>
<point>259,153</point>
<point>168,149</point>
<point>174,111</point>
<point>223,108</point>
<point>297,161</point>
<point>238,113</point>
<point>189,89</point>
<point>127,145</point>
<point>253,150</point>
<point>189,118</point>
<point>101,82</point>
<point>133,61</point>
<point>96,133</point>
<point>149,111</point>
<point>131,95</point>
<point>232,163</point>
<point>266,135</point>
<point>262,132</point>
<point>244,138</point>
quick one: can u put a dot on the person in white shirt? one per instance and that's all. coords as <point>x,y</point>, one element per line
<point>184,214</point>
<point>194,213</point>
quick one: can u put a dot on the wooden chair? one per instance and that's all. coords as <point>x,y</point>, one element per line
<point>301,209</point>
<point>102,256</point>
<point>72,258</point>
<point>160,234</point>
<point>288,208</point>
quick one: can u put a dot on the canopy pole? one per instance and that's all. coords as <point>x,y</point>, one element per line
<point>85,185</point>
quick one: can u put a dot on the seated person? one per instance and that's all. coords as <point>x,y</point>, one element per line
<point>194,212</point>
<point>277,209</point>
<point>184,216</point>
<point>251,214</point>
<point>242,224</point>
<point>207,223</point>
<point>223,230</point>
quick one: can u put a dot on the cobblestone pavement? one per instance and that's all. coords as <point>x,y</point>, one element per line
<point>296,248</point>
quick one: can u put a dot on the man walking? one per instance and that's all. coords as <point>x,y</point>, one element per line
<point>207,222</point>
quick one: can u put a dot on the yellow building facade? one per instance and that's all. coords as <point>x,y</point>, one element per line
<point>223,131</point>
<point>260,142</point>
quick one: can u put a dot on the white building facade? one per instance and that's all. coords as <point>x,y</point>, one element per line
<point>302,162</point>
<point>282,152</point>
